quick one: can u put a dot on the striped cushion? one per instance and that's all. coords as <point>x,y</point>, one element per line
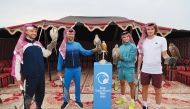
<point>5,79</point>
<point>188,68</point>
<point>1,69</point>
<point>5,63</point>
<point>186,62</point>
<point>5,69</point>
<point>184,77</point>
<point>180,68</point>
<point>2,64</point>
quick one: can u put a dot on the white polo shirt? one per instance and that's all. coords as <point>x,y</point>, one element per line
<point>152,50</point>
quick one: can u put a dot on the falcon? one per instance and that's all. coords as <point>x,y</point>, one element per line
<point>54,35</point>
<point>104,47</point>
<point>175,52</point>
<point>97,43</point>
<point>115,54</point>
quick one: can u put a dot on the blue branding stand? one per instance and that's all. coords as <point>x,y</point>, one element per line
<point>102,85</point>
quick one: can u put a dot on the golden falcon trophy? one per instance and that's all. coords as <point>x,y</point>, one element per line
<point>104,51</point>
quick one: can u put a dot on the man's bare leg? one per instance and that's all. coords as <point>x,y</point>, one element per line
<point>145,94</point>
<point>132,88</point>
<point>122,82</point>
<point>158,97</point>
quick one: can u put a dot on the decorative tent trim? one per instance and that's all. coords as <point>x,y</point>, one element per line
<point>91,26</point>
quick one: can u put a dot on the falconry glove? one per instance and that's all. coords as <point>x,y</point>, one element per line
<point>170,61</point>
<point>51,45</point>
<point>96,50</point>
<point>54,37</point>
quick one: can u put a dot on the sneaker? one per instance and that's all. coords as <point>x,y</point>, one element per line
<point>120,101</point>
<point>79,104</point>
<point>65,104</point>
<point>132,105</point>
<point>145,107</point>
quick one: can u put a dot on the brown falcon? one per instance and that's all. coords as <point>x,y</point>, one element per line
<point>104,47</point>
<point>175,52</point>
<point>115,54</point>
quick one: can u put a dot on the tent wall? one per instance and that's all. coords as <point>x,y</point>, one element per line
<point>183,45</point>
<point>6,48</point>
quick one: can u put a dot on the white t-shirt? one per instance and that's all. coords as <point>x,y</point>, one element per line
<point>152,52</point>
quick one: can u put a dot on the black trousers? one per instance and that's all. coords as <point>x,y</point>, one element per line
<point>36,86</point>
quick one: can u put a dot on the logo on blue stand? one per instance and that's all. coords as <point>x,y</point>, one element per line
<point>102,77</point>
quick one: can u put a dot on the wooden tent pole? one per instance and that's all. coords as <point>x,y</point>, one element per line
<point>131,32</point>
<point>41,31</point>
<point>136,30</point>
<point>46,43</point>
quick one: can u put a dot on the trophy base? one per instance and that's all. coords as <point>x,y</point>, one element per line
<point>103,61</point>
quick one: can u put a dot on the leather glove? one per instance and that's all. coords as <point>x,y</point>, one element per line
<point>51,45</point>
<point>120,58</point>
<point>95,50</point>
<point>170,61</point>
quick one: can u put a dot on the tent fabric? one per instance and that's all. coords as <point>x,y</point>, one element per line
<point>91,23</point>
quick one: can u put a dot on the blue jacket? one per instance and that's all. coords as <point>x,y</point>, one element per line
<point>128,52</point>
<point>33,60</point>
<point>72,59</point>
<point>33,63</point>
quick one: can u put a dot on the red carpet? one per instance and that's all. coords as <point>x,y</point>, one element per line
<point>175,94</point>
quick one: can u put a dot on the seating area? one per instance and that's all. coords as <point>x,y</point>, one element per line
<point>5,73</point>
<point>6,52</point>
<point>181,72</point>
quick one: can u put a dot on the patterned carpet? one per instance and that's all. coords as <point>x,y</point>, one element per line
<point>175,94</point>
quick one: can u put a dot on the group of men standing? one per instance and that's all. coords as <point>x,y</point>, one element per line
<point>28,58</point>
<point>151,49</point>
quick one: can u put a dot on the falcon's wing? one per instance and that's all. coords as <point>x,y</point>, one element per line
<point>95,41</point>
<point>104,46</point>
<point>114,56</point>
<point>171,51</point>
<point>117,51</point>
<point>113,52</point>
<point>176,52</point>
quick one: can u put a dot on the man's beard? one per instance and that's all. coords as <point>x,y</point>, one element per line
<point>151,34</point>
<point>70,39</point>
<point>31,37</point>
